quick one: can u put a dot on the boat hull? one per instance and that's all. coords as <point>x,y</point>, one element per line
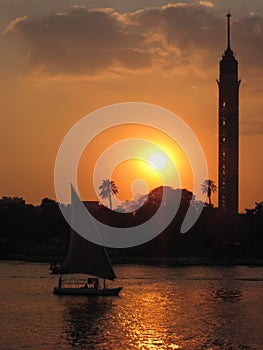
<point>87,291</point>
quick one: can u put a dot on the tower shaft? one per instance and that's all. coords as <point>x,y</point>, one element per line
<point>228,132</point>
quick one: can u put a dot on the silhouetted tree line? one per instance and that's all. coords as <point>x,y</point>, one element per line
<point>42,231</point>
<point>28,230</point>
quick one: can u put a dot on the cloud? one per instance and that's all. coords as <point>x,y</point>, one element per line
<point>206,3</point>
<point>183,26</point>
<point>83,41</point>
<point>13,24</point>
<point>248,38</point>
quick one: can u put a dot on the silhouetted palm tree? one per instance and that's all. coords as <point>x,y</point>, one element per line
<point>257,210</point>
<point>209,187</point>
<point>108,189</point>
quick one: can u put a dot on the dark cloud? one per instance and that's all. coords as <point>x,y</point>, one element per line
<point>85,41</point>
<point>191,28</point>
<point>78,42</point>
<point>248,40</point>
<point>182,25</point>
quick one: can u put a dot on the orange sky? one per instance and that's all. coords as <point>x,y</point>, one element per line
<point>60,63</point>
<point>134,169</point>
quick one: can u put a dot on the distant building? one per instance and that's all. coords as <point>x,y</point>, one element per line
<point>11,201</point>
<point>228,85</point>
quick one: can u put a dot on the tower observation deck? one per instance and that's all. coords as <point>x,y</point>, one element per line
<point>228,85</point>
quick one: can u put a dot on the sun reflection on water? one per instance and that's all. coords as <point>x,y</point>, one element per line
<point>146,325</point>
<point>159,308</point>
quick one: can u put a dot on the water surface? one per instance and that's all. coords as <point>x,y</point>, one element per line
<point>159,308</point>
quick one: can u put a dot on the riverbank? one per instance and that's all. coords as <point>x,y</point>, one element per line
<point>159,261</point>
<point>186,261</point>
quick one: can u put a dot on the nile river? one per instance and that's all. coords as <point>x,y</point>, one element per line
<point>159,308</point>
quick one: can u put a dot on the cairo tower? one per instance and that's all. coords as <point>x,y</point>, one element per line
<point>228,85</point>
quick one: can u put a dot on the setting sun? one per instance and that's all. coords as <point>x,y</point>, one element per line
<point>158,160</point>
<point>152,160</point>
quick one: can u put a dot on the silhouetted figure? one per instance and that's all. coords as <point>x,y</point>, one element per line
<point>60,282</point>
<point>96,284</point>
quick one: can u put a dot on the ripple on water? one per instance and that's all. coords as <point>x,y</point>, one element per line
<point>159,308</point>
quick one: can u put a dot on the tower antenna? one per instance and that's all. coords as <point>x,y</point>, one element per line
<point>228,30</point>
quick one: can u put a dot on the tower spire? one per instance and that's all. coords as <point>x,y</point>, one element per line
<point>228,30</point>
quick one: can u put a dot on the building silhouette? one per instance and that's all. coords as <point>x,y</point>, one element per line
<point>228,85</point>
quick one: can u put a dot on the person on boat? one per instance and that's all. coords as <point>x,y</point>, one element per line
<point>96,284</point>
<point>59,282</point>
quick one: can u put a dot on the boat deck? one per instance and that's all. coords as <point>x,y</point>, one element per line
<point>87,291</point>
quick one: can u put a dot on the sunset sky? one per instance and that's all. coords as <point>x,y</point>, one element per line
<point>63,59</point>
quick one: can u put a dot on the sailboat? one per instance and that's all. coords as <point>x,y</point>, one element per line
<point>85,257</point>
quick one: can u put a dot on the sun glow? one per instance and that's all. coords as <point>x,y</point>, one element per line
<point>158,160</point>
<point>140,177</point>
